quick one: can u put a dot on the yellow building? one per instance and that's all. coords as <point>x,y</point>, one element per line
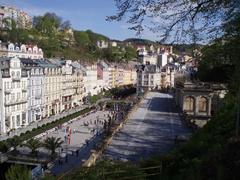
<point>51,99</point>
<point>127,76</point>
<point>112,76</point>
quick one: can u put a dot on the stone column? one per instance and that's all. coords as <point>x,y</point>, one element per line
<point>209,106</point>
<point>195,105</point>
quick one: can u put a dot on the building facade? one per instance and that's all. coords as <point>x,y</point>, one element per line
<point>199,100</point>
<point>34,89</point>
<point>52,88</point>
<point>22,19</point>
<point>14,93</point>
<point>24,51</point>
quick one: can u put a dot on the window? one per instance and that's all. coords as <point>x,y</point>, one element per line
<point>202,104</point>
<point>18,96</point>
<point>18,120</point>
<point>13,121</point>
<point>189,104</point>
<point>13,97</point>
<point>13,108</point>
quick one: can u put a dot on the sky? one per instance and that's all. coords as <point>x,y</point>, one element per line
<point>83,15</point>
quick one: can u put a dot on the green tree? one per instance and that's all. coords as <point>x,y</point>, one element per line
<point>82,38</point>
<point>18,172</point>
<point>48,24</point>
<point>14,142</point>
<point>130,53</point>
<point>34,145</point>
<point>52,143</point>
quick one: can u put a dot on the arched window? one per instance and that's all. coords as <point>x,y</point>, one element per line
<point>189,103</point>
<point>202,104</point>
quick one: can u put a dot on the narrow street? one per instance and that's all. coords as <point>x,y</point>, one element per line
<point>151,130</point>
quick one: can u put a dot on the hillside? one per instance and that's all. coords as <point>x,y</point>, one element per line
<point>58,39</point>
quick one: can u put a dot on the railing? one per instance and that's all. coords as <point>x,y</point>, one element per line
<point>16,79</point>
<point>24,89</point>
<point>38,96</point>
<point>19,101</point>
<point>7,91</point>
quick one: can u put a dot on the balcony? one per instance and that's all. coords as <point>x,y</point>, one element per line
<point>24,89</point>
<point>18,101</point>
<point>38,96</point>
<point>7,91</point>
<point>16,79</point>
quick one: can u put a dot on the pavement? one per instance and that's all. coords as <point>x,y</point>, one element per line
<point>151,130</point>
<point>86,134</point>
<point>40,123</point>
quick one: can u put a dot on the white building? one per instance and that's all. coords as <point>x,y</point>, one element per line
<point>148,78</point>
<point>24,51</point>
<point>90,80</point>
<point>68,83</point>
<point>14,93</point>
<point>35,89</point>
<point>162,59</point>
<point>22,19</point>
<point>145,58</point>
<point>114,44</point>
<point>102,44</point>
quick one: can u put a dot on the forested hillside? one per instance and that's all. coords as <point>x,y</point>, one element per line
<point>57,39</point>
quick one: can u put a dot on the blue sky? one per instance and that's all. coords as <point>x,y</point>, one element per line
<point>83,14</point>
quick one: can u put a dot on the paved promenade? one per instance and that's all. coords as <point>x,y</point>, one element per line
<point>151,130</point>
<point>86,134</point>
<point>40,123</point>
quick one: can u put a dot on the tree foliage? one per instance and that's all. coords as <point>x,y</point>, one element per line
<point>18,172</point>
<point>34,145</point>
<point>52,143</point>
<point>182,20</point>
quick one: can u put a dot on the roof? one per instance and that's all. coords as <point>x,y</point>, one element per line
<point>44,63</point>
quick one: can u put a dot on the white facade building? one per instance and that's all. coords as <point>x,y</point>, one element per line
<point>24,51</point>
<point>162,59</point>
<point>34,89</point>
<point>68,90</point>
<point>14,91</point>
<point>90,80</point>
<point>148,78</point>
<point>102,44</point>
